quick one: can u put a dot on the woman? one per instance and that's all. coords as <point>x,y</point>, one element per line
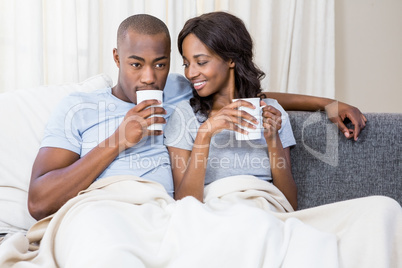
<point>217,57</point>
<point>218,60</point>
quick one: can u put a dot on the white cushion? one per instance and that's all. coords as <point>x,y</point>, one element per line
<point>23,116</point>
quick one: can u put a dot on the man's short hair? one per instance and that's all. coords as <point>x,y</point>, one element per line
<point>142,24</point>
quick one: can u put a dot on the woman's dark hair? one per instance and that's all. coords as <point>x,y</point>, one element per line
<point>227,36</point>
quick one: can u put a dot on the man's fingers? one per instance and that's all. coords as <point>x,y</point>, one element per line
<point>358,125</point>
<point>155,120</point>
<point>152,111</point>
<point>364,119</point>
<point>154,132</point>
<point>145,104</point>
<point>337,120</point>
<point>361,125</point>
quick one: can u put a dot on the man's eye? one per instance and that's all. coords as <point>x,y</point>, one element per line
<point>136,65</point>
<point>160,65</point>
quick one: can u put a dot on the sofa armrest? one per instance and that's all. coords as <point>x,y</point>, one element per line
<point>328,168</point>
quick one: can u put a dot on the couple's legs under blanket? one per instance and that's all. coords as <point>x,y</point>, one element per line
<point>187,234</point>
<point>369,230</point>
<point>89,239</point>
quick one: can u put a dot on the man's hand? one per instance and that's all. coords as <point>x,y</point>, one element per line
<point>338,111</point>
<point>135,124</point>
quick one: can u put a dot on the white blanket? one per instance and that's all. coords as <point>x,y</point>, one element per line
<point>125,221</point>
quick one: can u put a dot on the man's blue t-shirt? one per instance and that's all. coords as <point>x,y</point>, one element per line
<point>83,120</point>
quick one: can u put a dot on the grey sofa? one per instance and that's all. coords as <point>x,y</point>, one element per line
<point>327,167</point>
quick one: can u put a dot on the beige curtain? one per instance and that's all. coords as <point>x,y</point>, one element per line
<point>66,41</point>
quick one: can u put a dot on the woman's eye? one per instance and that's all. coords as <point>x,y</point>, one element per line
<point>202,63</point>
<point>185,65</point>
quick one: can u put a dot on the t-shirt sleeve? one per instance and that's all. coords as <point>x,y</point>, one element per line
<point>179,127</point>
<point>177,89</point>
<point>62,129</point>
<point>286,132</point>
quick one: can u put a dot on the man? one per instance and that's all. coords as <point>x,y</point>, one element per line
<point>104,133</point>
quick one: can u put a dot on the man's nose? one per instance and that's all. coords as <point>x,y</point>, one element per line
<point>148,76</point>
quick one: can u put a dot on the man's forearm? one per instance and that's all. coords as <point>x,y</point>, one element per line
<point>298,102</point>
<point>53,189</point>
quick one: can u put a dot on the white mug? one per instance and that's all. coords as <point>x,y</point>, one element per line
<point>253,134</point>
<point>143,95</point>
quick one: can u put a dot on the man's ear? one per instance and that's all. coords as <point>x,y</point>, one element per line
<point>116,57</point>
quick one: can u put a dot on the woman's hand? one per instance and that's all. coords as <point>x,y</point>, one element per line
<point>229,117</point>
<point>271,121</point>
<point>338,111</point>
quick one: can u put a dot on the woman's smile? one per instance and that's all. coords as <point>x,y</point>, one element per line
<point>199,85</point>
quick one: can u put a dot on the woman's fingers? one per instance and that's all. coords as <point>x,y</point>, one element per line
<point>271,116</point>
<point>241,103</point>
<point>269,123</point>
<point>270,111</point>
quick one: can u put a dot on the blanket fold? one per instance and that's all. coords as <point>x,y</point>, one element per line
<point>244,189</point>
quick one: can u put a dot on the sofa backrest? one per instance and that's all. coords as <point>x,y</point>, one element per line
<point>327,167</point>
<point>23,116</point>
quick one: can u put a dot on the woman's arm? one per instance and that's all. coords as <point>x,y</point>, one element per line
<point>189,167</point>
<point>278,156</point>
<point>337,111</point>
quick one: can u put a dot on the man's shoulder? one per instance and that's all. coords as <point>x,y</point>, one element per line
<point>90,94</point>
<point>177,88</point>
<point>176,78</point>
<point>77,97</point>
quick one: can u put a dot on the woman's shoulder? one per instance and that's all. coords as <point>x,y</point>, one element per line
<point>183,109</point>
<point>184,105</point>
<point>270,101</point>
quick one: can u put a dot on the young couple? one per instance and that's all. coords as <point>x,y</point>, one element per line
<point>112,139</point>
<point>104,133</point>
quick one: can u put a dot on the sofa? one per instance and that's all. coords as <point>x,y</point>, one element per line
<point>326,166</point>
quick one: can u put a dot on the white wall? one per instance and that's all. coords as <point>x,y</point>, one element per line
<point>368,54</point>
